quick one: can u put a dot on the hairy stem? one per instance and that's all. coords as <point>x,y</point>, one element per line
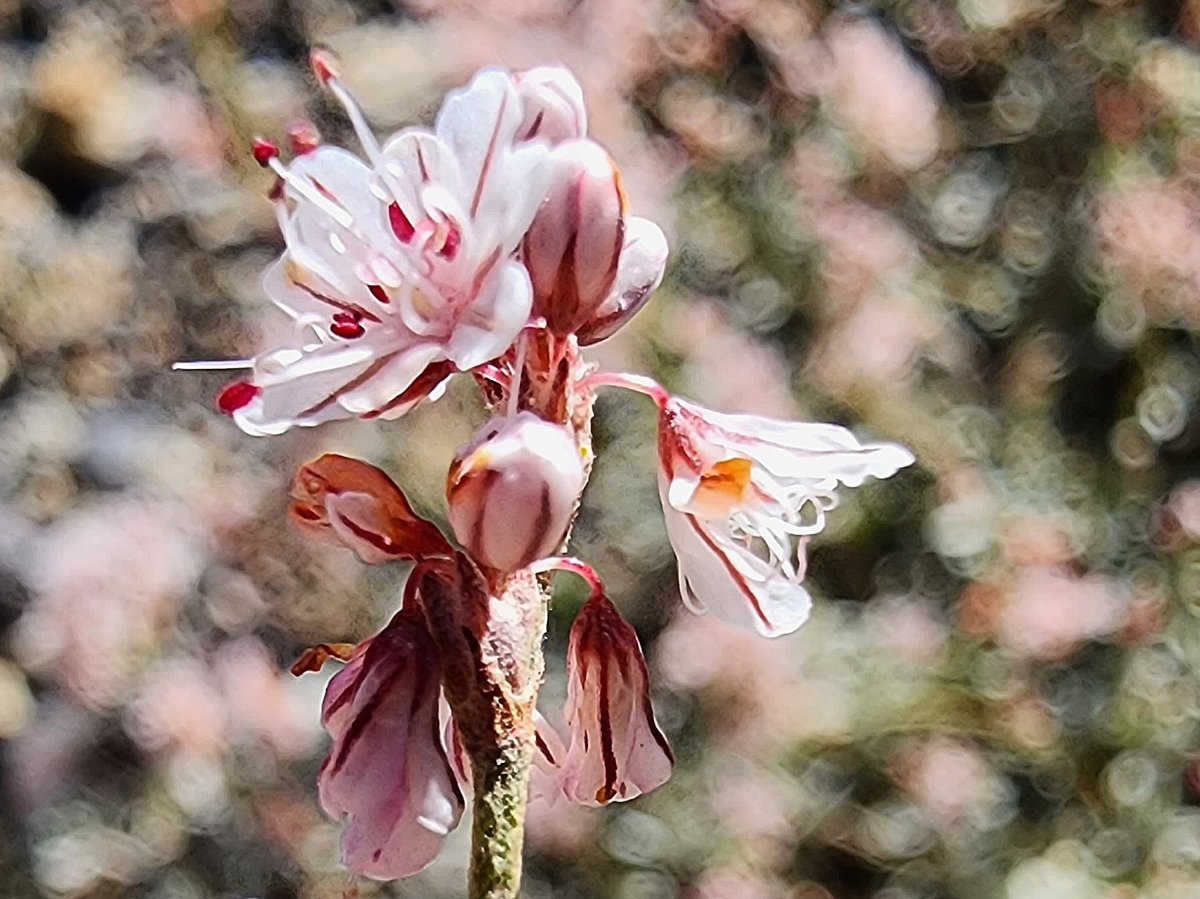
<point>492,649</point>
<point>498,835</point>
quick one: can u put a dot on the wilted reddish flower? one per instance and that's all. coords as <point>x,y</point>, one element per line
<point>387,771</point>
<point>345,501</point>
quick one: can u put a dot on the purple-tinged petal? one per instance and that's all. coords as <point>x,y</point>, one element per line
<point>639,272</point>
<point>387,772</point>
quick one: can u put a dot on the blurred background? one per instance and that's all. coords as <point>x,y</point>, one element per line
<point>972,226</point>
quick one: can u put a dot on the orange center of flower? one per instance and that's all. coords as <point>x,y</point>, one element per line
<point>723,488</point>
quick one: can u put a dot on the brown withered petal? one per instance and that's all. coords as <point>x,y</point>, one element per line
<point>346,501</point>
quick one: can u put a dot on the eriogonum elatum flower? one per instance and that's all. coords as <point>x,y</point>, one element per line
<point>387,771</point>
<point>741,495</point>
<point>398,270</point>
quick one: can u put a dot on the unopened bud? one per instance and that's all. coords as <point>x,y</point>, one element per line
<point>573,246</point>
<point>512,490</point>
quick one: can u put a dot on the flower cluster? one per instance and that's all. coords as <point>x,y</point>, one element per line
<point>497,245</point>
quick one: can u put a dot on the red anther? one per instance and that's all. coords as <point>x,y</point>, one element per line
<point>236,396</point>
<point>346,326</point>
<point>347,315</point>
<point>264,151</point>
<point>453,239</point>
<point>323,64</point>
<point>303,137</point>
<point>400,224</point>
<point>378,293</point>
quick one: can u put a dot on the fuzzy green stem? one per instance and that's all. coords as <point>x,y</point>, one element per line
<point>501,789</point>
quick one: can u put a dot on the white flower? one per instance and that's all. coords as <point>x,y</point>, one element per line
<point>742,494</point>
<point>399,272</point>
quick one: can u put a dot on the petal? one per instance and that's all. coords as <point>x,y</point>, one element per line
<point>551,105</point>
<point>303,293</point>
<point>501,185</point>
<point>387,772</point>
<point>343,500</point>
<point>495,317</point>
<point>476,123</point>
<point>720,575</point>
<point>617,750</point>
<point>795,450</point>
<point>324,382</point>
<point>414,159</point>
<point>549,753</point>
<point>639,271</point>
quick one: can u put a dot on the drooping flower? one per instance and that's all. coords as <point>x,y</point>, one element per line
<point>398,272</point>
<point>341,500</point>
<point>617,750</point>
<point>387,771</point>
<point>742,494</point>
<point>512,490</point>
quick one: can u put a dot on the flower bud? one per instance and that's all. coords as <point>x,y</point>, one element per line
<point>512,490</point>
<point>573,247</point>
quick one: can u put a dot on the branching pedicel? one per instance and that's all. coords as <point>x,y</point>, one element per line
<point>496,245</point>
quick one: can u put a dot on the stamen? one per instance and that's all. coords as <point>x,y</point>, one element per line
<point>379,293</point>
<point>347,325</point>
<point>400,224</point>
<point>213,365</point>
<point>366,136</point>
<point>453,240</point>
<point>308,192</point>
<point>303,137</point>
<point>322,62</point>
